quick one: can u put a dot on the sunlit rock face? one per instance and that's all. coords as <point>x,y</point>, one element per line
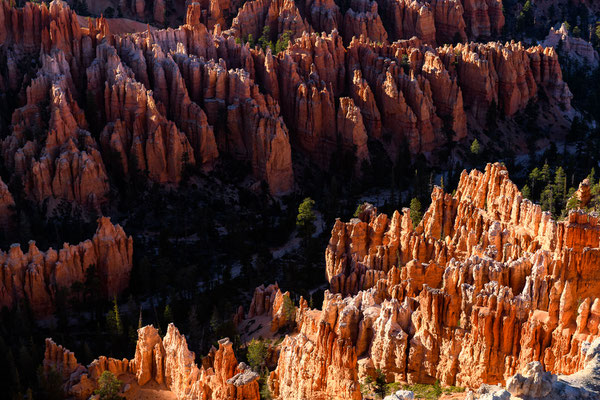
<point>485,284</point>
<point>36,276</point>
<point>156,102</point>
<point>165,361</point>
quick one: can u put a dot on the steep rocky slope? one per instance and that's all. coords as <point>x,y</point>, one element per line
<point>166,361</point>
<point>486,289</point>
<point>485,284</point>
<point>35,276</point>
<point>161,101</point>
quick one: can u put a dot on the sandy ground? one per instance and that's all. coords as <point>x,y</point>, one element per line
<point>150,391</point>
<point>257,327</point>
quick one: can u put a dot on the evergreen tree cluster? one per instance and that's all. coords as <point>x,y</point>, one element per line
<point>552,190</point>
<point>265,41</point>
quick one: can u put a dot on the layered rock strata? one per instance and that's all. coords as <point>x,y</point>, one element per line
<point>165,361</point>
<point>35,276</point>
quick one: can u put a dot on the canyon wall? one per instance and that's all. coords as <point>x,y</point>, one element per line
<point>35,276</point>
<point>166,361</point>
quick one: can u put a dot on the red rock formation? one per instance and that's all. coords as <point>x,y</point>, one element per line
<point>446,94</point>
<point>37,275</point>
<point>68,165</point>
<point>167,360</point>
<point>351,130</point>
<point>407,92</point>
<point>322,15</point>
<point>319,362</point>
<point>286,16</point>
<point>405,102</point>
<point>491,277</point>
<point>149,356</point>
<point>485,284</point>
<point>158,11</point>
<point>7,204</point>
<point>154,143</point>
<point>449,23</point>
<point>262,300</point>
<point>60,359</point>
<point>508,74</point>
<point>484,18</point>
<point>207,12</point>
<point>38,26</point>
<point>362,19</point>
<point>534,383</point>
<point>269,301</point>
<point>583,193</point>
<point>138,6</point>
<point>406,18</point>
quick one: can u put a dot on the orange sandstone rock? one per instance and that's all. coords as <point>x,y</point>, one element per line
<point>167,360</point>
<point>484,285</point>
<point>36,275</point>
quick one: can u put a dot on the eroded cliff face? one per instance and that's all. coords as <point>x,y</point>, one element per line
<point>484,285</point>
<point>166,361</point>
<point>532,382</point>
<point>443,21</point>
<point>150,102</point>
<point>35,276</point>
<point>160,101</point>
<point>573,47</point>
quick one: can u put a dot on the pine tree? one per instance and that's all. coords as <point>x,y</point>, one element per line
<point>305,221</point>
<point>113,319</point>
<point>14,379</point>
<point>359,209</point>
<point>283,42</point>
<point>415,211</point>
<point>475,147</point>
<point>591,177</point>
<point>168,314</point>
<point>50,383</point>
<point>379,383</point>
<point>560,188</point>
<point>289,310</point>
<point>257,354</point>
<point>215,321</point>
<point>545,173</point>
<point>26,364</point>
<point>526,192</point>
<point>108,386</point>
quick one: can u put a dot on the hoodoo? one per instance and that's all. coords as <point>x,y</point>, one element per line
<point>289,173</point>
